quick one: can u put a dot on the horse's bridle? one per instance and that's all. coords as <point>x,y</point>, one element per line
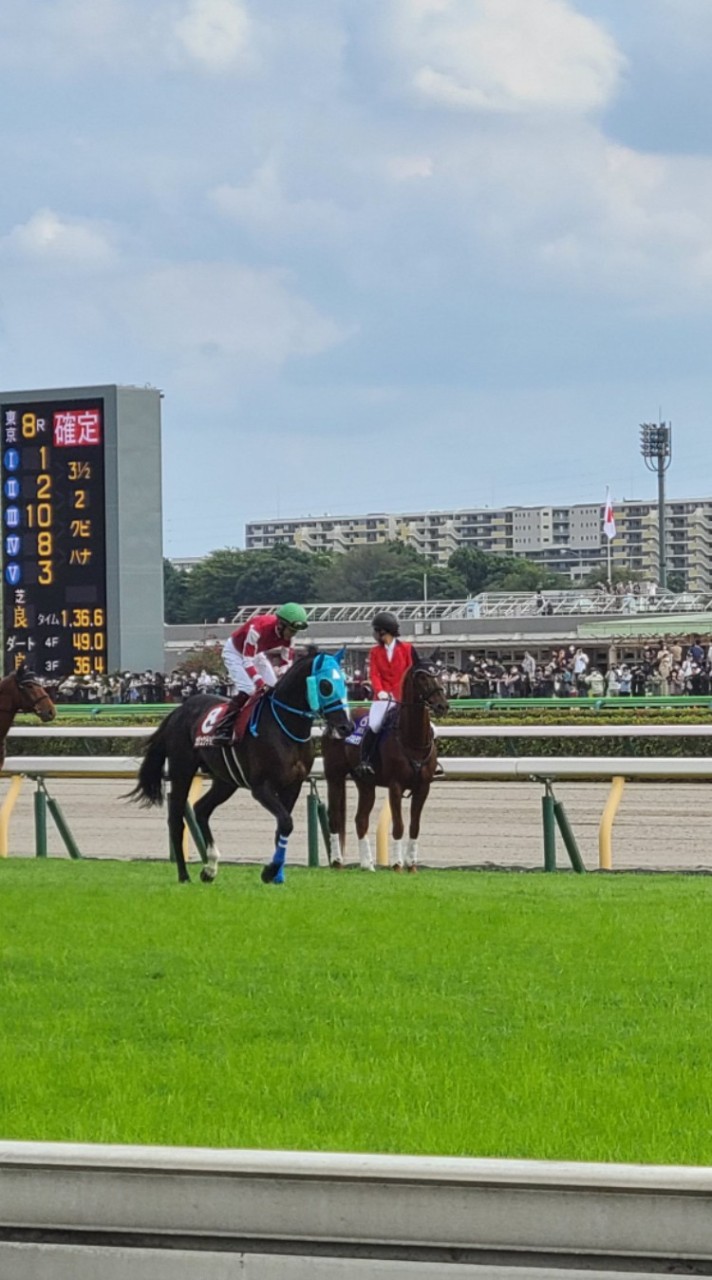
<point>421,699</point>
<point>35,695</point>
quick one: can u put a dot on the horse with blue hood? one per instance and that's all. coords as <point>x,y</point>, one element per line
<point>271,758</point>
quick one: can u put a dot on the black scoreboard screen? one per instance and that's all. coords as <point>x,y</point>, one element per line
<point>54,537</point>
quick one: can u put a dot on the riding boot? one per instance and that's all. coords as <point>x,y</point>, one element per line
<point>367,765</point>
<point>226,727</point>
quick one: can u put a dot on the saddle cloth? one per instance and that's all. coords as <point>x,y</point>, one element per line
<point>218,721</point>
<point>360,719</point>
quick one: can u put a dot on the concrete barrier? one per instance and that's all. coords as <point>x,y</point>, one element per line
<point>155,1212</point>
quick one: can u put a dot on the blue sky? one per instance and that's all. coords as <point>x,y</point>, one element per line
<point>377,254</point>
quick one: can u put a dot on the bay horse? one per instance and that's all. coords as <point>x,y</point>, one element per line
<point>22,691</point>
<point>273,758</point>
<point>406,762</point>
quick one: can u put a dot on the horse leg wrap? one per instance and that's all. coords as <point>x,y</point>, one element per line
<point>210,870</point>
<point>335,849</point>
<point>365,855</point>
<point>280,855</point>
<point>397,859</point>
<point>411,853</point>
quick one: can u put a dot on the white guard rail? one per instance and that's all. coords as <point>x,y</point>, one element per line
<point>70,1212</point>
<point>544,769</point>
<point>463,768</point>
<point>444,731</point>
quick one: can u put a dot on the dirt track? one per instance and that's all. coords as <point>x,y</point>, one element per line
<point>661,827</point>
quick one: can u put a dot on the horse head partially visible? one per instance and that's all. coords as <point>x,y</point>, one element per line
<point>327,694</point>
<point>22,691</point>
<point>422,687</point>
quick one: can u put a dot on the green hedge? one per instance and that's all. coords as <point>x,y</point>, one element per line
<point>648,746</point>
<point>582,715</point>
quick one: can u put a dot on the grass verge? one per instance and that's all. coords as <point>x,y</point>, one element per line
<point>481,1014</point>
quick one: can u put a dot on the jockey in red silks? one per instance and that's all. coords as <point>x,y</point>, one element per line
<point>389,659</point>
<point>245,651</point>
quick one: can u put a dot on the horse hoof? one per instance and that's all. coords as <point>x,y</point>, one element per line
<point>412,869</point>
<point>268,873</point>
<point>398,866</point>
<point>206,876</point>
<point>367,866</point>
<point>337,864</point>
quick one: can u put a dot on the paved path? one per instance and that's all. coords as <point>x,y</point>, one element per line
<point>659,826</point>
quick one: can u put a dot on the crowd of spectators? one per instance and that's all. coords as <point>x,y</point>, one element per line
<point>132,687</point>
<point>665,668</point>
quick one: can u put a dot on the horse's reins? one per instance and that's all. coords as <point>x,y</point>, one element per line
<point>420,701</point>
<point>295,711</point>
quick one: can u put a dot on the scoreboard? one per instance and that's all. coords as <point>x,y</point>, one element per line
<point>61,595</point>
<point>54,537</point>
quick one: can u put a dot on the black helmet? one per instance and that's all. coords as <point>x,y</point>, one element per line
<point>386,622</point>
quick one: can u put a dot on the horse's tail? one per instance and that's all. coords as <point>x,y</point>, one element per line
<point>149,787</point>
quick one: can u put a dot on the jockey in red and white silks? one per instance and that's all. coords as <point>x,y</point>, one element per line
<point>245,651</point>
<point>389,659</point>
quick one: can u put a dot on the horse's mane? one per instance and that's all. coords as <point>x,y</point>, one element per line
<point>297,666</point>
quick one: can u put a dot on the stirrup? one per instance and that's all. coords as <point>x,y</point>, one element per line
<point>364,769</point>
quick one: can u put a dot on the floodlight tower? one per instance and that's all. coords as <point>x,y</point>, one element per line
<point>656,448</point>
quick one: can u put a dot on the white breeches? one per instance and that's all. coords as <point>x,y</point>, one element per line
<point>235,664</point>
<point>377,712</point>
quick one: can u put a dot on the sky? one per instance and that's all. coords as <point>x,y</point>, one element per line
<point>378,255</point>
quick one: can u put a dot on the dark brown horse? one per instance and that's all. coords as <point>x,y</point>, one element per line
<point>271,761</point>
<point>22,691</point>
<point>406,762</point>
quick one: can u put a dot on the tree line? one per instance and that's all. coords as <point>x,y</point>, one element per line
<point>228,579</point>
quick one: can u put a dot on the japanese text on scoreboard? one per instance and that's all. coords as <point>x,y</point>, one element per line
<point>54,542</point>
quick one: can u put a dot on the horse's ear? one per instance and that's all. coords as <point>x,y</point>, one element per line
<point>416,656</point>
<point>339,657</point>
<point>434,657</point>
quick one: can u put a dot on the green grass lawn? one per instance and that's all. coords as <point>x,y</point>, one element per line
<point>455,1013</point>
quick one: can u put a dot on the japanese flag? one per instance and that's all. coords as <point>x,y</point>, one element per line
<point>609,520</point>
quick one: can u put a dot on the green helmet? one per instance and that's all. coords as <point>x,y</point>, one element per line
<point>293,615</point>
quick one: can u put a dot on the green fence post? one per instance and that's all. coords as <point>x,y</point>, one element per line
<point>60,823</point>
<point>568,838</point>
<point>312,827</point>
<point>324,824</point>
<point>549,821</point>
<point>40,820</point>
<point>196,833</point>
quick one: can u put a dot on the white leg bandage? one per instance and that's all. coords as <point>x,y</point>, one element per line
<point>335,849</point>
<point>397,856</point>
<point>210,869</point>
<point>365,855</point>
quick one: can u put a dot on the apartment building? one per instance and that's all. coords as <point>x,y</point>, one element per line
<point>568,539</point>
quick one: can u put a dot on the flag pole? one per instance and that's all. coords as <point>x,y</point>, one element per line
<point>609,529</point>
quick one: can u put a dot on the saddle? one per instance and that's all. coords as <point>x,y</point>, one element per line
<point>223,725</point>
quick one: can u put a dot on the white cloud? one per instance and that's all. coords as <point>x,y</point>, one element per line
<point>568,208</point>
<point>125,37</point>
<point>505,55</point>
<point>215,33</point>
<point>208,312</point>
<point>263,205</point>
<point>50,238</point>
<point>645,232</point>
<point>404,168</point>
